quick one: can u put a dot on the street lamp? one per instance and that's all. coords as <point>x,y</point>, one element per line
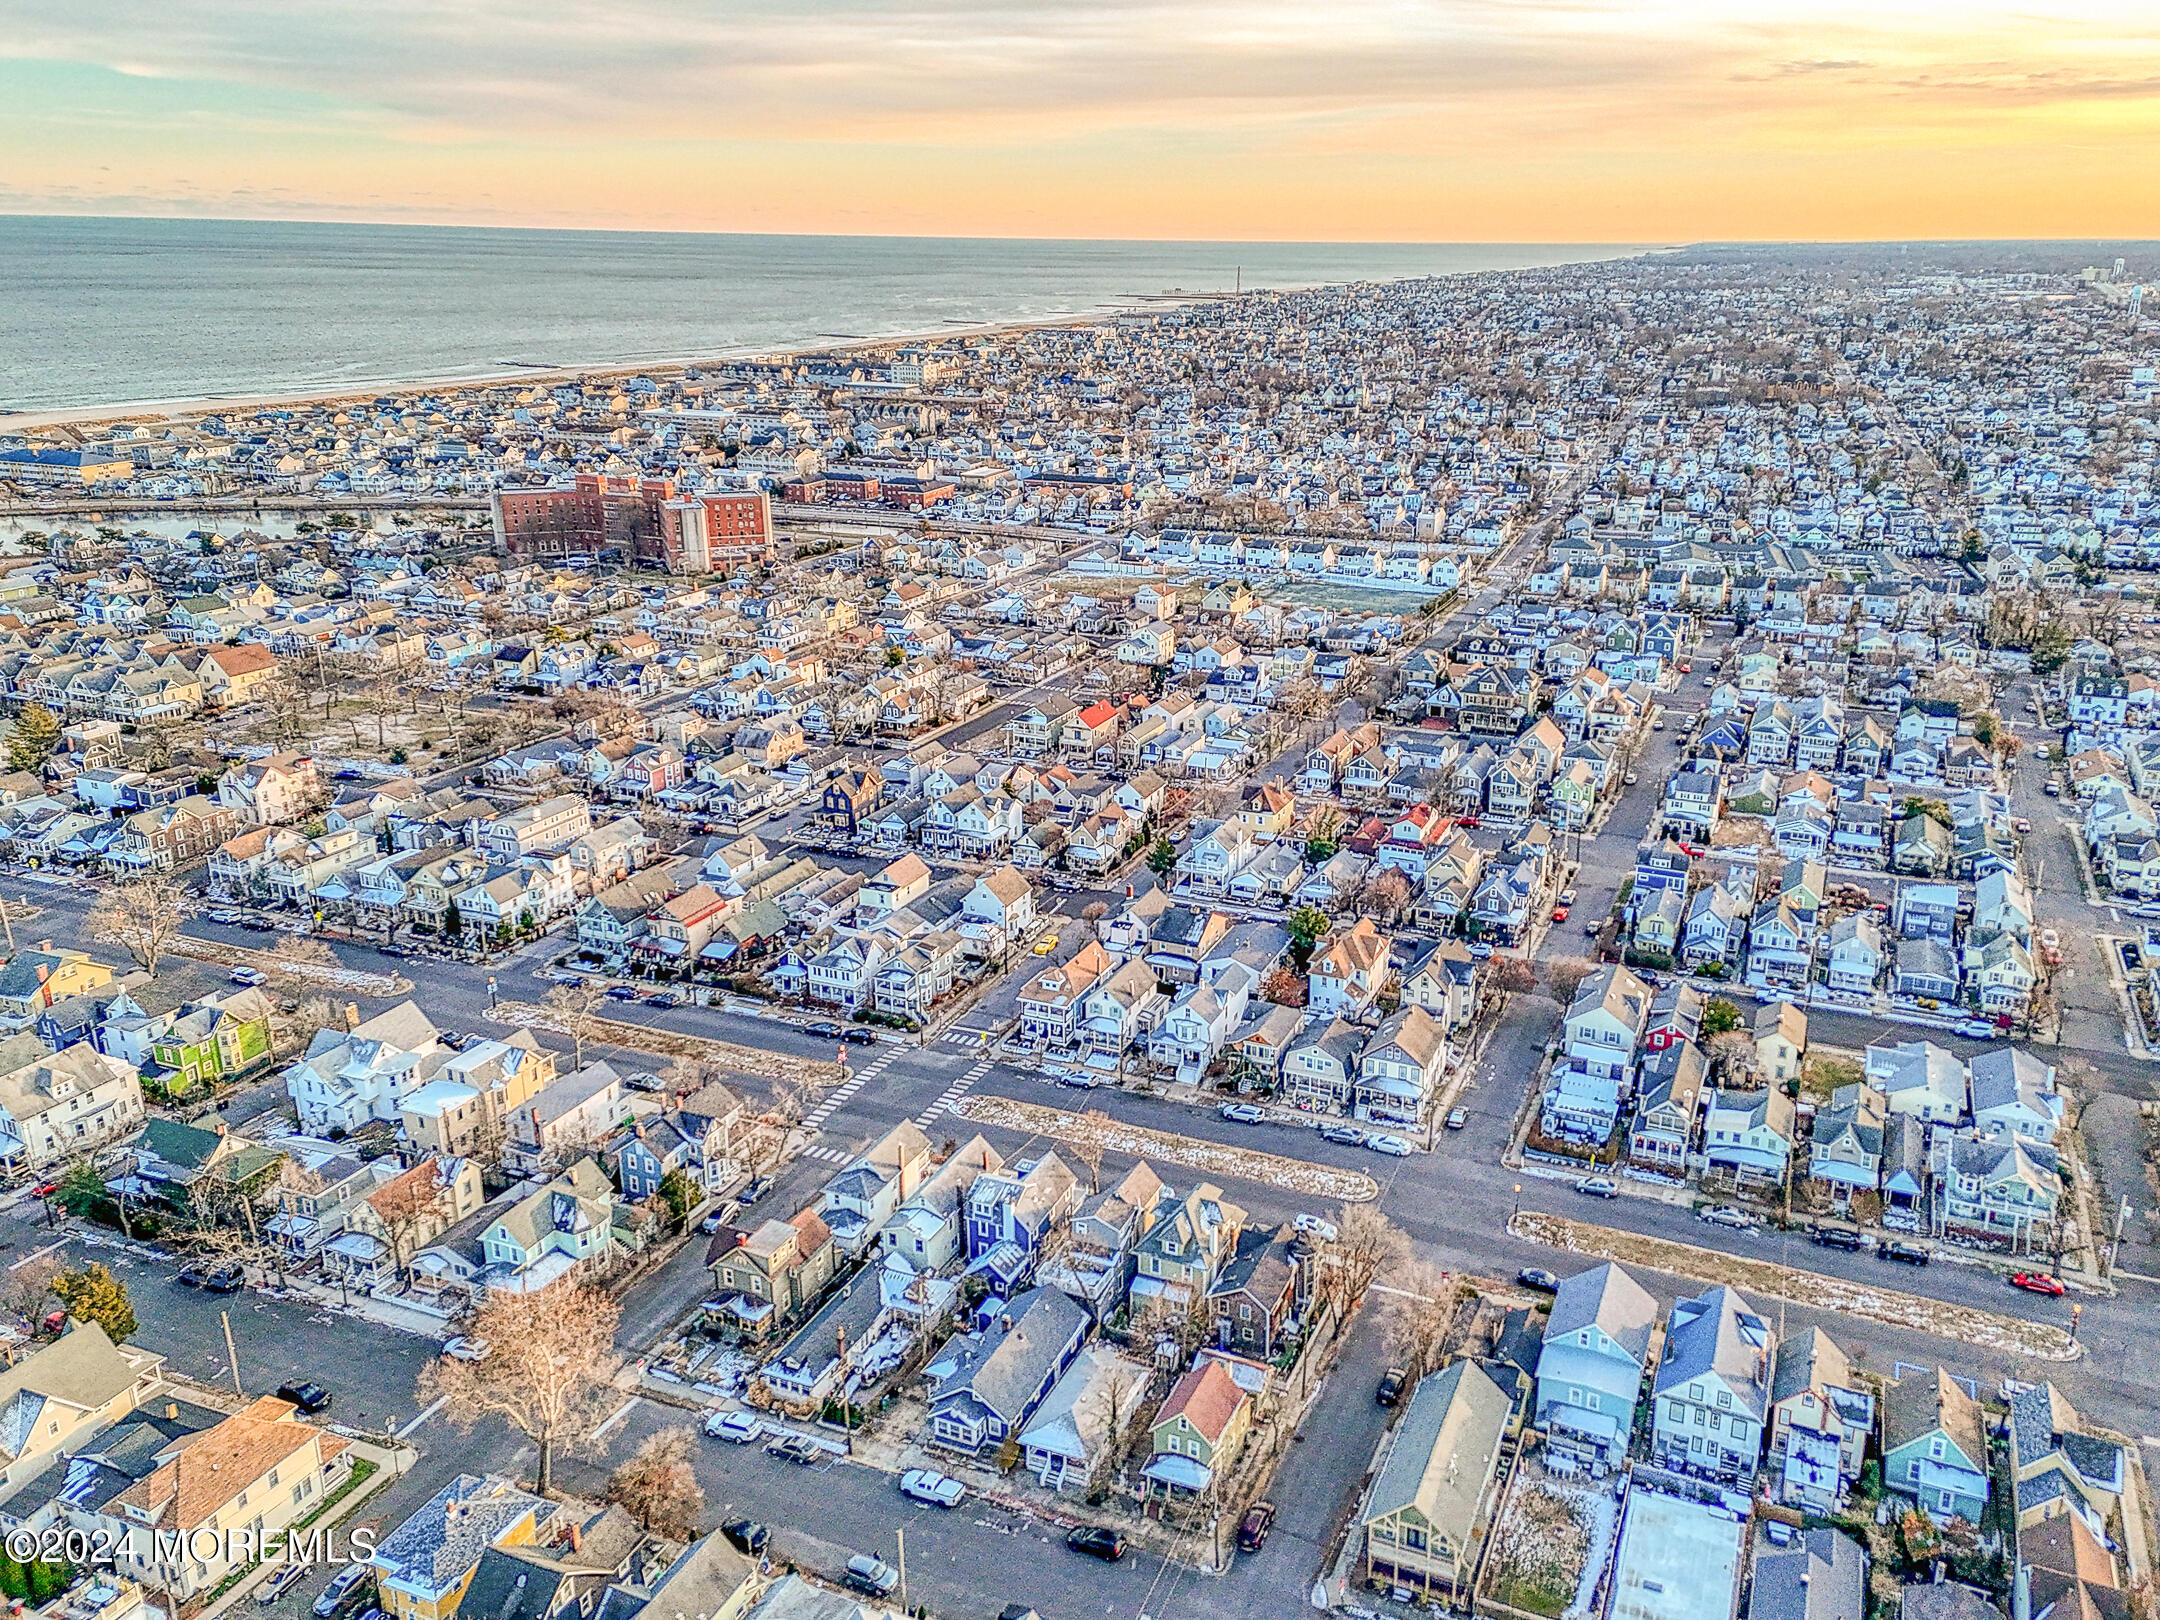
<point>1515,1208</point>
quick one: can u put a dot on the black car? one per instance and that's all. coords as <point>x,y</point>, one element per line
<point>1911,1254</point>
<point>192,1274</point>
<point>224,1280</point>
<point>1097,1541</point>
<point>858,1037</point>
<point>1252,1530</point>
<point>1545,1282</point>
<point>824,1027</point>
<point>1391,1386</point>
<point>1837,1237</point>
<point>306,1394</point>
<point>746,1535</point>
<point>663,998</point>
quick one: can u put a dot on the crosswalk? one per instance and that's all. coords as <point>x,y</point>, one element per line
<point>836,1098</point>
<point>950,1099</point>
<point>829,1155</point>
<point>968,1037</point>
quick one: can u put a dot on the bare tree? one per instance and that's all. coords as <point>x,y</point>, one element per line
<point>410,1208</point>
<point>549,1371</point>
<point>26,1289</point>
<point>659,1486</point>
<point>1564,976</point>
<point>785,1106</point>
<point>1366,1243</point>
<point>1087,1145</point>
<point>1512,975</point>
<point>1420,1310</point>
<point>1734,1053</point>
<point>141,916</point>
<point>575,1010</point>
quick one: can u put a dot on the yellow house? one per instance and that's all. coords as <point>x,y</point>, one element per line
<point>260,1470</point>
<point>53,1400</point>
<point>1427,1511</point>
<point>36,978</point>
<point>424,1566</point>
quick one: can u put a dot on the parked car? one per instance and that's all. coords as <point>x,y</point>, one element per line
<point>758,1187</point>
<point>858,1037</point>
<point>1342,1136</point>
<point>1393,1146</point>
<point>1481,950</point>
<point>462,1348</point>
<point>1252,1530</point>
<point>1243,1114</point>
<point>287,1577</point>
<point>1466,821</point>
<point>932,1488</point>
<point>1391,1386</point>
<point>746,1536</point>
<point>247,976</point>
<point>1313,1226</point>
<point>736,1428</point>
<point>663,998</point>
<point>644,1080</point>
<point>345,1589</point>
<point>1567,897</point>
<point>1045,945</point>
<point>622,992</point>
<point>1097,1541</point>
<point>1911,1254</point>
<point>1457,1118</point>
<point>1598,1187</point>
<point>2039,1282</point>
<point>1978,1029</point>
<point>871,1575</point>
<point>1545,1282</point>
<point>306,1394</point>
<point>1736,1220</point>
<point>1837,1237</point>
<point>713,1222</point>
<point>825,1027</point>
<point>795,1448</point>
<point>1080,1080</point>
<point>1630,779</point>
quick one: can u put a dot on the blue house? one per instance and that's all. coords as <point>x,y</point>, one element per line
<point>987,1385</point>
<point>1590,1368</point>
<point>1013,1208</point>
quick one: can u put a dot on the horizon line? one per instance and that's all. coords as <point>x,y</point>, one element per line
<point>1651,246</point>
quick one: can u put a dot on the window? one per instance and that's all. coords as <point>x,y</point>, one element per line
<point>1414,1540</point>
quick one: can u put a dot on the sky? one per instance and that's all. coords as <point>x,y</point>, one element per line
<point>1324,120</point>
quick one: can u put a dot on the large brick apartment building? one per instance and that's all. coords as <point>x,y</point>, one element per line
<point>642,519</point>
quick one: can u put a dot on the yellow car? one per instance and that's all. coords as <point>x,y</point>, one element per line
<point>1045,945</point>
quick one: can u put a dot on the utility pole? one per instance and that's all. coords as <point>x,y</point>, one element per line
<point>903,1571</point>
<point>8,923</point>
<point>232,1356</point>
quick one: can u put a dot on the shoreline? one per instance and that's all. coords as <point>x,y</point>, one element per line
<point>185,407</point>
<point>169,410</point>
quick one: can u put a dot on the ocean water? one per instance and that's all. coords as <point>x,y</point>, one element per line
<point>110,311</point>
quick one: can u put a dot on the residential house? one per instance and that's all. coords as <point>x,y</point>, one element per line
<point>1935,1451</point>
<point>1426,1515</point>
<point>1198,1431</point>
<point>1590,1367</point>
<point>1713,1388</point>
<point>986,1386</point>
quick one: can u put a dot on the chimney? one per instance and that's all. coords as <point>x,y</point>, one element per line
<point>172,1410</point>
<point>576,1537</point>
<point>352,1016</point>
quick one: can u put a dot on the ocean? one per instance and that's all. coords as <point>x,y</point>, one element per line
<point>114,311</point>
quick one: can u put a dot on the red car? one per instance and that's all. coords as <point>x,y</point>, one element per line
<point>45,1189</point>
<point>1559,914</point>
<point>1466,821</point>
<point>2038,1282</point>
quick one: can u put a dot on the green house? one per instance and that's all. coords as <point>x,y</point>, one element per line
<point>220,1037</point>
<point>1935,1447</point>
